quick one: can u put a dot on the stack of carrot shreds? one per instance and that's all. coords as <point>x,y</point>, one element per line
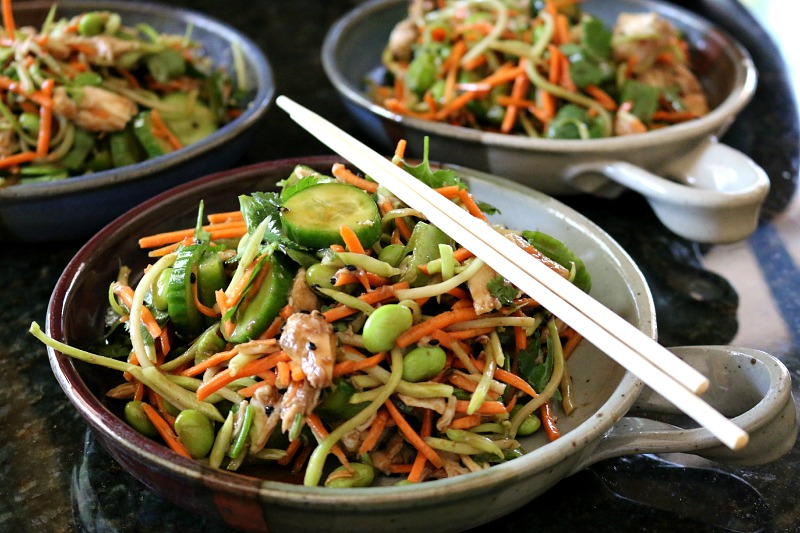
<point>538,68</point>
<point>87,93</point>
<point>329,328</point>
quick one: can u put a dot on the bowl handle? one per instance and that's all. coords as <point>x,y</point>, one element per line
<point>749,386</point>
<point>714,194</point>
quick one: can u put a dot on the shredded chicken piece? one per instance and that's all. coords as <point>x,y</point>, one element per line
<point>96,109</point>
<point>639,38</point>
<point>626,123</point>
<point>482,299</point>
<point>102,50</point>
<point>438,405</point>
<point>453,467</point>
<point>665,75</point>
<point>265,399</point>
<point>449,413</point>
<point>395,452</point>
<point>402,39</point>
<point>302,298</point>
<point>309,340</point>
<point>300,398</point>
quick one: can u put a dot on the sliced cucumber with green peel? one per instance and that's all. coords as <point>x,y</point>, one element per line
<point>211,277</point>
<point>188,321</point>
<point>143,129</point>
<point>258,311</point>
<point>312,217</point>
<point>187,118</point>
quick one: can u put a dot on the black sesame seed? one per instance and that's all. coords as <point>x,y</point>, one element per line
<point>352,268</point>
<point>311,346</point>
<point>193,278</point>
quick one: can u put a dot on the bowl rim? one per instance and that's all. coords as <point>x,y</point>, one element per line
<point>743,90</point>
<point>255,110</point>
<point>110,426</point>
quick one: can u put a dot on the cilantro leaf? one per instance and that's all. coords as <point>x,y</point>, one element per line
<point>433,178</point>
<point>504,292</point>
<point>303,183</point>
<point>201,235</point>
<point>487,208</point>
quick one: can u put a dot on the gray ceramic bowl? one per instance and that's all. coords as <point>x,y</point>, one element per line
<point>77,207</point>
<point>714,192</point>
<point>748,385</point>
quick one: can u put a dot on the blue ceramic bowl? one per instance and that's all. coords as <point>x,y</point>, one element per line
<point>77,207</point>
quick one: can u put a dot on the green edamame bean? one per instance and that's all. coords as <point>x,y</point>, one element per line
<point>384,326</point>
<point>529,426</point>
<point>91,24</point>
<point>319,275</point>
<point>392,254</point>
<point>134,415</point>
<point>423,363</point>
<point>29,123</point>
<point>195,431</point>
<point>362,476</point>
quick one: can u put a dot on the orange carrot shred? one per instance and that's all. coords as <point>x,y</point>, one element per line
<point>165,431</point>
<point>412,436</point>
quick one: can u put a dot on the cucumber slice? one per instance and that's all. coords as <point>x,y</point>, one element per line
<point>312,217</point>
<point>256,314</point>
<point>143,129</point>
<point>188,321</point>
<point>187,118</point>
<point>211,277</point>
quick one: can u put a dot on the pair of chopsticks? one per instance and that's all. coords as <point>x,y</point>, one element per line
<point>656,366</point>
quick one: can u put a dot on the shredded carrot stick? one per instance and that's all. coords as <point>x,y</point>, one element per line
<point>674,116</point>
<point>458,292</point>
<point>562,29</point>
<point>214,360</point>
<point>169,237</point>
<point>231,216</point>
<point>469,333</point>
<point>454,105</point>
<point>251,389</point>
<point>461,254</point>
<point>284,375</point>
<point>321,432</point>
<point>602,97</point>
<point>348,367</point>
<point>451,66</point>
<point>510,379</point>
<point>126,293</point>
<point>412,436</point>
<point>165,431</point>
<point>472,206</point>
<point>400,150</point>
<point>573,340</point>
<point>486,408</point>
<point>518,90</point>
<point>291,451</point>
<point>419,462</point>
<point>345,277</point>
<point>343,173</point>
<point>274,328</point>
<point>8,19</point>
<point>302,457</point>
<point>511,403</point>
<point>387,206</point>
<point>17,159</point>
<point>223,378</point>
<point>375,432</point>
<point>440,321</point>
<point>373,297</point>
<point>45,121</point>
<point>160,129</point>
<point>162,408</point>
<point>168,249</point>
<point>466,422</point>
<point>351,239</point>
<point>549,422</point>
<point>403,468</point>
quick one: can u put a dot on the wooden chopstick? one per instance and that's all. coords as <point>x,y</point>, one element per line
<point>653,364</point>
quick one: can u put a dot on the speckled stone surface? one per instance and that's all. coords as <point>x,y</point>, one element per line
<point>55,477</point>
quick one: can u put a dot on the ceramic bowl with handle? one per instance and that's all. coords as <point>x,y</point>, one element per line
<point>698,187</point>
<point>749,386</point>
<point>75,208</point>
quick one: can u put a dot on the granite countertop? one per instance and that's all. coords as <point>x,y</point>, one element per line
<point>55,477</point>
